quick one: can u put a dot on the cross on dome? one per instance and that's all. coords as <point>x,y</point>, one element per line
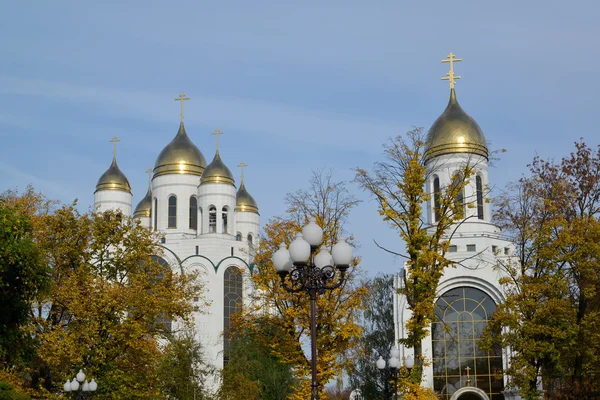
<point>450,75</point>
<point>181,98</point>
<point>217,132</point>
<point>114,141</point>
<point>149,172</point>
<point>242,165</point>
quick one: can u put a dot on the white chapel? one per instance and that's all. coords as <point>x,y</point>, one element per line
<point>206,223</point>
<point>469,292</point>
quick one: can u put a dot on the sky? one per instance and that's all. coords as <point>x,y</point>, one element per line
<point>295,86</point>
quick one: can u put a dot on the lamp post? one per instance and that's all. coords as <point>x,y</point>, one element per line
<point>80,383</point>
<point>313,274</point>
<point>393,365</point>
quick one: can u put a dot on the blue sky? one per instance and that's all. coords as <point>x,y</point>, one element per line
<point>294,85</point>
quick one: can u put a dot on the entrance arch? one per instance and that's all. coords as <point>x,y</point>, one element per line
<point>469,393</point>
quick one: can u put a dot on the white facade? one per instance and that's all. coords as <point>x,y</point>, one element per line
<point>179,211</point>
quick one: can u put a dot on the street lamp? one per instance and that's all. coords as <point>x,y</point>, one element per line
<point>86,387</point>
<point>313,274</point>
<point>394,367</point>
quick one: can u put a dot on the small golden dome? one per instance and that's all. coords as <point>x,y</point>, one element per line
<point>244,202</point>
<point>113,179</point>
<point>180,156</point>
<point>217,172</point>
<point>144,207</point>
<point>455,132</point>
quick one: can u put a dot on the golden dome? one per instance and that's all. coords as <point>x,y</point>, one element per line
<point>217,172</point>
<point>144,207</point>
<point>244,202</point>
<point>455,132</point>
<point>180,156</point>
<point>113,179</point>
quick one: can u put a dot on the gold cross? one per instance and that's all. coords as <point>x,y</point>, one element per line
<point>114,141</point>
<point>217,132</point>
<point>450,75</point>
<point>149,172</point>
<point>468,377</point>
<point>242,165</point>
<point>181,98</point>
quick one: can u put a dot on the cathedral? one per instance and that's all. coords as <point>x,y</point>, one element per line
<point>469,292</point>
<point>206,224</point>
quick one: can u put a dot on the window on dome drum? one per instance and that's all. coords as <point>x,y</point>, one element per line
<point>155,214</point>
<point>250,240</point>
<point>479,188</point>
<point>193,213</point>
<point>453,248</point>
<point>224,220</point>
<point>462,315</point>
<point>232,303</point>
<point>460,197</point>
<point>471,247</point>
<point>238,237</point>
<point>436,198</point>
<point>172,223</point>
<point>212,219</point>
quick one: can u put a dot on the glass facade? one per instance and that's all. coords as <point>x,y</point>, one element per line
<point>232,303</point>
<point>462,315</point>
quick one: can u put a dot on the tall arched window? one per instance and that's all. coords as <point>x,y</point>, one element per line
<point>458,181</point>
<point>232,303</point>
<point>224,220</point>
<point>212,219</point>
<point>155,213</point>
<point>193,213</point>
<point>172,212</point>
<point>479,188</point>
<point>436,198</point>
<point>238,237</point>
<point>250,240</point>
<point>463,314</point>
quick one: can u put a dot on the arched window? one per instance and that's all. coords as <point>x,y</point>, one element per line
<point>201,212</point>
<point>212,219</point>
<point>457,182</point>
<point>462,315</point>
<point>155,213</point>
<point>193,213</point>
<point>224,220</point>
<point>232,303</point>
<point>436,198</point>
<point>172,212</point>
<point>250,240</point>
<point>479,188</point>
<point>238,237</point>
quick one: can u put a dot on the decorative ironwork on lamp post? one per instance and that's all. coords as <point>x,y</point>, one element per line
<point>394,367</point>
<point>80,383</point>
<point>312,274</point>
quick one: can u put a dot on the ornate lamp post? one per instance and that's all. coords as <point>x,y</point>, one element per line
<point>86,388</point>
<point>394,367</point>
<point>313,274</point>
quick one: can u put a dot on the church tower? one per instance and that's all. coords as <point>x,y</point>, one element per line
<point>469,292</point>
<point>113,191</point>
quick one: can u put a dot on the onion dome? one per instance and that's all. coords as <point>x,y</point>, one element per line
<point>244,202</point>
<point>144,207</point>
<point>113,179</point>
<point>180,156</point>
<point>455,131</point>
<point>217,172</point>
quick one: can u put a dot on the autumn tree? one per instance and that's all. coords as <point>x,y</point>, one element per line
<point>399,185</point>
<point>108,303</point>
<point>330,202</point>
<point>550,317</point>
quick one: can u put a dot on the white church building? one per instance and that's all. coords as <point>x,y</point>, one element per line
<point>206,224</point>
<point>469,292</point>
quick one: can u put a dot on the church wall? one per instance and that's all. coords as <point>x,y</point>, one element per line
<point>183,187</point>
<point>113,200</point>
<point>219,195</point>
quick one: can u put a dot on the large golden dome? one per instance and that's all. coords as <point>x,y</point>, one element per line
<point>113,179</point>
<point>144,207</point>
<point>180,156</point>
<point>244,202</point>
<point>455,132</point>
<point>217,172</point>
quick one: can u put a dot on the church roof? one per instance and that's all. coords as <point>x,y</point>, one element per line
<point>180,156</point>
<point>113,179</point>
<point>144,207</point>
<point>244,201</point>
<point>217,172</point>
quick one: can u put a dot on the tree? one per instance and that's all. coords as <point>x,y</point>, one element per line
<point>376,340</point>
<point>253,372</point>
<point>272,306</point>
<point>22,277</point>
<point>182,370</point>
<point>108,301</point>
<point>550,317</point>
<point>399,187</point>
